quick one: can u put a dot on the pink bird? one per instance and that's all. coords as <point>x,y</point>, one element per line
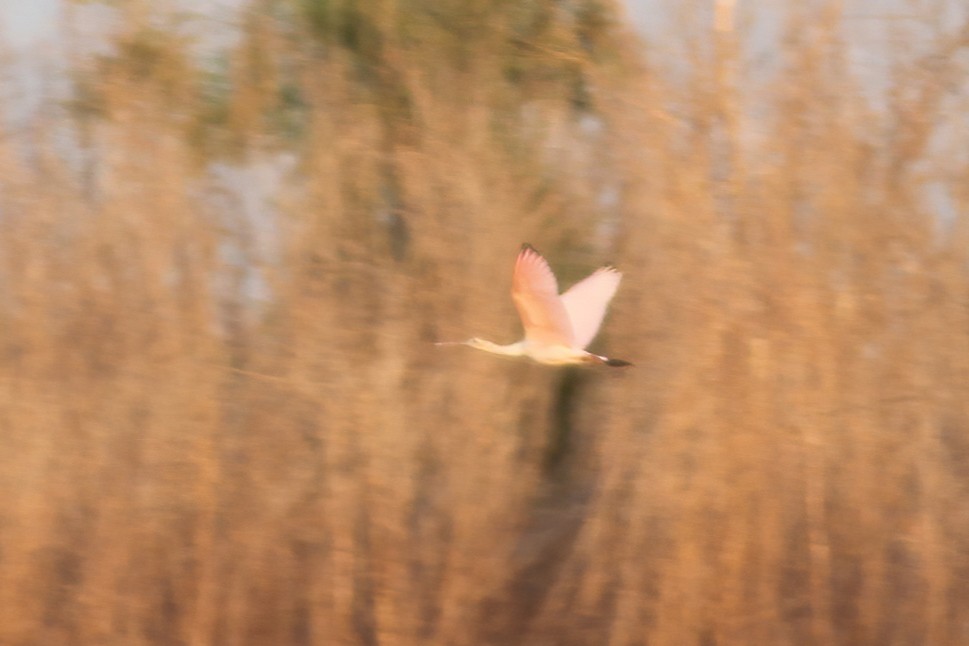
<point>557,327</point>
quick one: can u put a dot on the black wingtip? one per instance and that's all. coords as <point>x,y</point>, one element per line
<point>617,363</point>
<point>527,247</point>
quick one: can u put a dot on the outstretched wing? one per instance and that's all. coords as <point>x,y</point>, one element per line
<point>586,303</point>
<point>536,295</point>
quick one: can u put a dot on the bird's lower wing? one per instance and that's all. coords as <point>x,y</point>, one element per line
<point>586,303</point>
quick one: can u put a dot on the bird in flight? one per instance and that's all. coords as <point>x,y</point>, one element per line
<point>557,327</point>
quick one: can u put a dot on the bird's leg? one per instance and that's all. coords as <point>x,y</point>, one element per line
<point>606,361</point>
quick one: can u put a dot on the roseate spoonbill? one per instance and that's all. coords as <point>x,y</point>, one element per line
<point>557,327</point>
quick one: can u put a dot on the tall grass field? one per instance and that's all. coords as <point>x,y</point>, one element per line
<point>229,242</point>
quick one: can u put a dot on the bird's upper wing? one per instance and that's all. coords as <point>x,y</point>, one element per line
<point>536,295</point>
<point>586,303</point>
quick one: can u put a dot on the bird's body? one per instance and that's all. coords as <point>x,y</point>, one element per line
<point>557,327</point>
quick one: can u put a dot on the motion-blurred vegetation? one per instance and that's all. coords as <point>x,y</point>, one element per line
<point>224,260</point>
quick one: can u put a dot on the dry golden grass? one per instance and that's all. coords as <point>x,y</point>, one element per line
<point>184,463</point>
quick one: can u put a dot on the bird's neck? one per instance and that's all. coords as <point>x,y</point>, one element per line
<point>510,350</point>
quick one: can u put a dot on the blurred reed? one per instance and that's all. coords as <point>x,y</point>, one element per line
<point>224,421</point>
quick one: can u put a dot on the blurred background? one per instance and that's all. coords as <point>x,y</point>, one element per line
<point>231,230</point>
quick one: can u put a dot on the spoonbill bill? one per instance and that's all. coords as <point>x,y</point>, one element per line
<point>557,327</point>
